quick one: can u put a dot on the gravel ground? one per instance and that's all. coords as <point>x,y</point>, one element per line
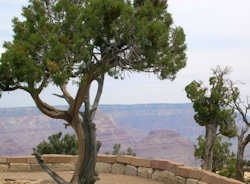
<point>105,178</point>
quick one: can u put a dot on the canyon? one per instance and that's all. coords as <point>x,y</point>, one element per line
<point>165,131</point>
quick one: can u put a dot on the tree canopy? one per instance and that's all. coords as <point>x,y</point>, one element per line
<point>215,105</point>
<point>59,41</point>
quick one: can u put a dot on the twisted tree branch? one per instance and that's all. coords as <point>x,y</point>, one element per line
<point>50,110</point>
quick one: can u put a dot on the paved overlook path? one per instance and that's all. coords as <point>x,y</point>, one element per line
<point>105,178</point>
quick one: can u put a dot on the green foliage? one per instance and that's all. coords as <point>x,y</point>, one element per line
<point>223,157</point>
<point>117,148</point>
<point>215,106</point>
<point>229,170</point>
<point>58,144</point>
<point>130,152</point>
<point>57,41</point>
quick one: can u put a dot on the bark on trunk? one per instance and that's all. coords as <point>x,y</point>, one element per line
<point>85,166</point>
<point>239,175</point>
<point>242,143</point>
<point>88,148</point>
<point>87,171</point>
<point>211,130</point>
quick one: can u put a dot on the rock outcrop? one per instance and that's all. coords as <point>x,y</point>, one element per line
<point>110,133</point>
<point>166,144</point>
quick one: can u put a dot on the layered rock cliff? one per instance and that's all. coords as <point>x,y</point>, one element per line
<point>166,144</point>
<point>21,129</point>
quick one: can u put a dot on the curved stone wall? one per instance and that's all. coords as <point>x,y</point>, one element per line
<point>166,171</point>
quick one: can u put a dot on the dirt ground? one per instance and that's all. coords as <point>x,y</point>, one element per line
<point>105,178</point>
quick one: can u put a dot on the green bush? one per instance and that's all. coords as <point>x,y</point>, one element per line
<point>58,144</point>
<point>229,170</point>
<point>223,158</point>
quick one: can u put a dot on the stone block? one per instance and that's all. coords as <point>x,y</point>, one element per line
<point>201,182</point>
<point>103,167</point>
<point>63,167</point>
<point>19,167</point>
<point>118,168</point>
<point>124,159</point>
<point>55,158</point>
<point>74,158</point>
<point>31,160</point>
<point>3,160</point>
<point>106,158</point>
<point>4,167</point>
<point>130,170</point>
<point>17,159</point>
<point>35,167</point>
<point>196,173</point>
<point>164,176</point>
<point>180,180</point>
<point>145,172</point>
<point>134,161</point>
<point>165,165</point>
<point>189,172</point>
<point>141,162</point>
<point>233,181</point>
<point>211,178</point>
<point>192,181</point>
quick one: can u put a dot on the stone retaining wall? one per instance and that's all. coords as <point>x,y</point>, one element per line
<point>166,171</point>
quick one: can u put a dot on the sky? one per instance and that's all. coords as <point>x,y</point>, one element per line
<point>217,33</point>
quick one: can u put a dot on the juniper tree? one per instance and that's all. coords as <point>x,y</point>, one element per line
<point>243,135</point>
<point>58,41</point>
<point>213,110</point>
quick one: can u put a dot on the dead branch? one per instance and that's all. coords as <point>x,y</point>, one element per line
<point>54,175</point>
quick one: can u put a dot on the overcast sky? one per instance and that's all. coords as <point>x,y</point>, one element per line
<point>217,32</point>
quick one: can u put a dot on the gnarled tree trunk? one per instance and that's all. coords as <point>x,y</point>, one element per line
<point>239,174</point>
<point>211,130</point>
<point>88,147</point>
<point>85,129</point>
<point>87,173</point>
